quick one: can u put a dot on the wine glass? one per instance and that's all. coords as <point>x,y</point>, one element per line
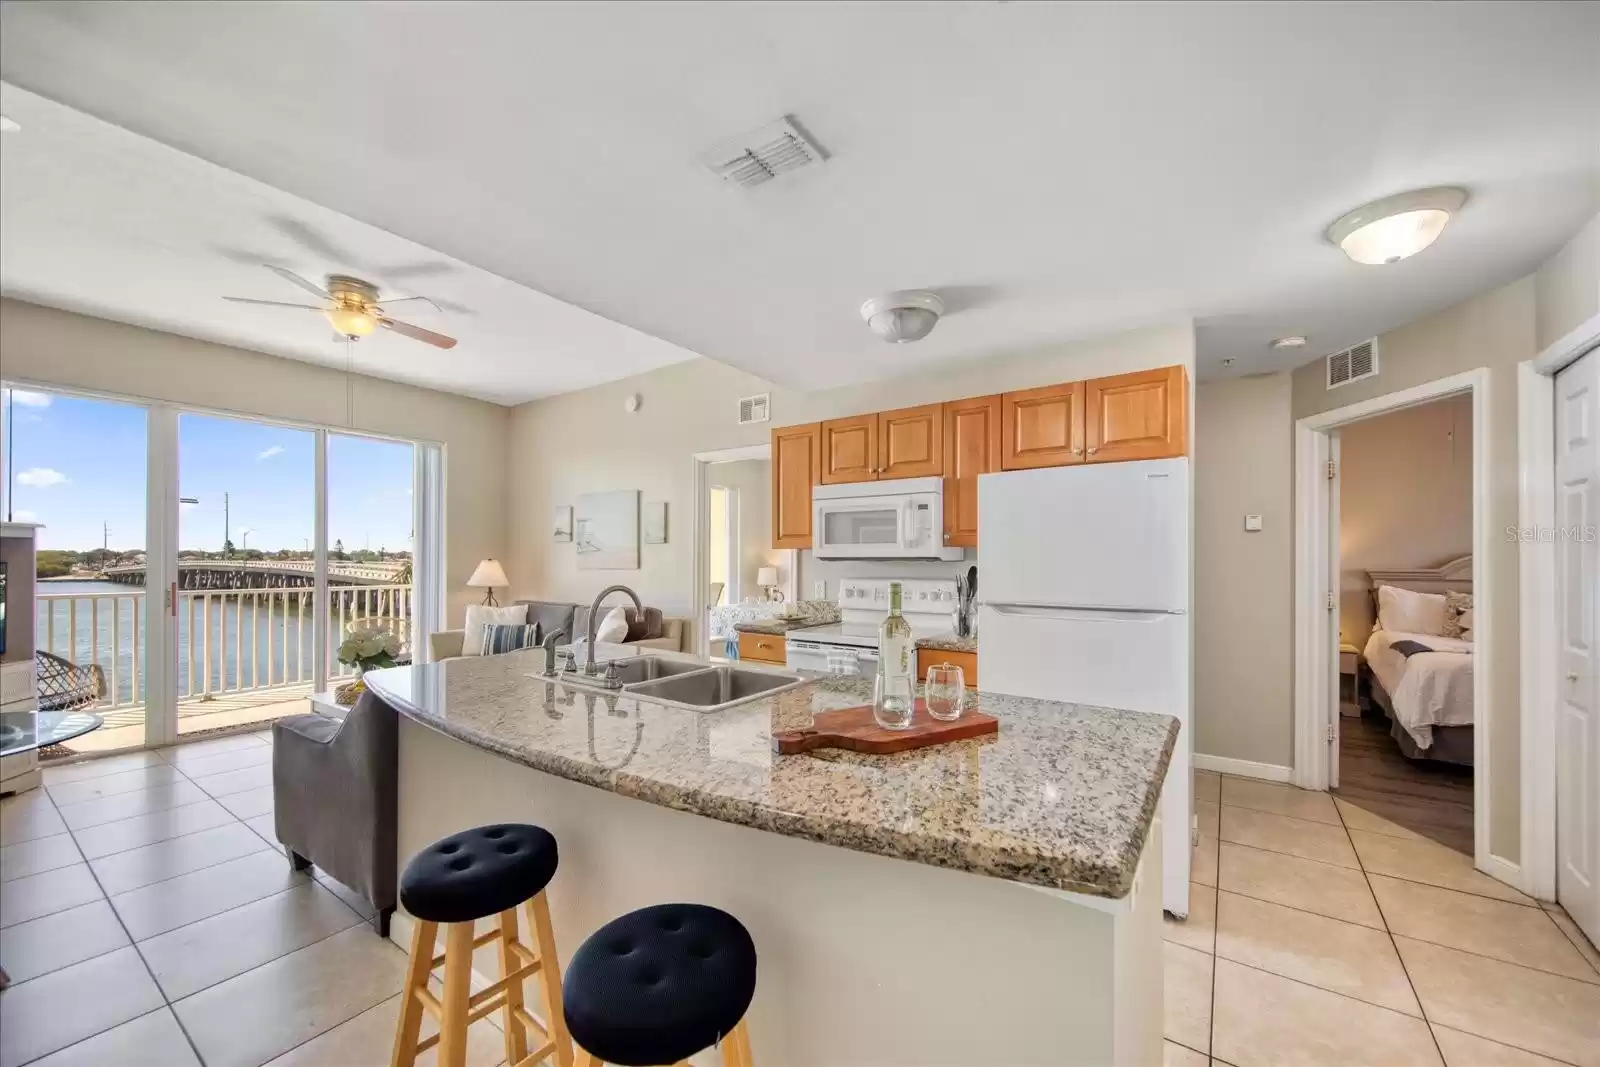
<point>893,701</point>
<point>946,691</point>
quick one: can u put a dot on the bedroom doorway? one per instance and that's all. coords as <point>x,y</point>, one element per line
<point>1404,751</point>
<point>1375,764</point>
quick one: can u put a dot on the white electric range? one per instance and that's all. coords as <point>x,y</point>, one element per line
<point>850,646</point>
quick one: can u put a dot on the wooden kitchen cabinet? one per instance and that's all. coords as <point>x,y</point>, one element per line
<point>971,448</point>
<point>850,450</point>
<point>1042,427</point>
<point>911,442</point>
<point>796,467</point>
<point>763,648</point>
<point>1143,415</point>
<point>932,657</point>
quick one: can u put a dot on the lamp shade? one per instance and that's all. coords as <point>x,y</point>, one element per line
<point>489,574</point>
<point>767,576</point>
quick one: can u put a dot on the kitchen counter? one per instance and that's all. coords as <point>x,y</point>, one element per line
<point>949,643</point>
<point>1063,797</point>
<point>811,613</point>
<point>1021,872</point>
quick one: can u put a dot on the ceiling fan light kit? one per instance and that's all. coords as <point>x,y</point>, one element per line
<point>904,315</point>
<point>1396,227</point>
<point>352,307</point>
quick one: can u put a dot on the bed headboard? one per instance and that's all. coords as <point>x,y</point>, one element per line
<point>1452,576</point>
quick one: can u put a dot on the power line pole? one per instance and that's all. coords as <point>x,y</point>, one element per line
<point>227,539</point>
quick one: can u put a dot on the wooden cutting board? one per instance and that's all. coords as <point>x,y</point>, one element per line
<point>856,730</point>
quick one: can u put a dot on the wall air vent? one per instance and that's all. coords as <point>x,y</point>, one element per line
<point>762,155</point>
<point>1353,364</point>
<point>754,409</point>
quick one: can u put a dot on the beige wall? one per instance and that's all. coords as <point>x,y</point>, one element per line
<point>1405,499</point>
<point>17,553</point>
<point>585,442</point>
<point>1494,330</point>
<point>1243,582</point>
<point>1567,288</point>
<point>753,479</point>
<point>53,347</point>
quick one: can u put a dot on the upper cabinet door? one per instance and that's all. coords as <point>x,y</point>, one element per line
<point>1143,415</point>
<point>796,467</point>
<point>850,450</point>
<point>971,448</point>
<point>1042,427</point>
<point>911,442</point>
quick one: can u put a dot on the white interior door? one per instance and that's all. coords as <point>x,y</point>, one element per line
<point>1335,589</point>
<point>1578,578</point>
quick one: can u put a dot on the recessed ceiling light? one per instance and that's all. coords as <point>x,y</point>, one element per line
<point>1294,340</point>
<point>1396,227</point>
<point>9,124</point>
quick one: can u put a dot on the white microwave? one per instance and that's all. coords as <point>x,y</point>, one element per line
<point>900,519</point>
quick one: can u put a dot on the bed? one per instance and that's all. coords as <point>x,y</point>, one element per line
<point>1426,696</point>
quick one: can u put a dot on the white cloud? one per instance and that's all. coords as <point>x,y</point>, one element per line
<point>29,399</point>
<point>40,477</point>
<point>24,516</point>
<point>275,450</point>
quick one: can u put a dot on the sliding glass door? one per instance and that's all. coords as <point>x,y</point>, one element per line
<point>371,495</point>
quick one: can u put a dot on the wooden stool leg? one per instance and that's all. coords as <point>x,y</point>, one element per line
<point>457,991</point>
<point>588,1059</point>
<point>738,1042</point>
<point>516,1038</point>
<point>407,1030</point>
<point>544,937</point>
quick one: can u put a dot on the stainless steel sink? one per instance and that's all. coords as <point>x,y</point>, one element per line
<point>715,688</point>
<point>650,668</point>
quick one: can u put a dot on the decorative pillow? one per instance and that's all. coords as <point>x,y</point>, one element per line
<point>613,628</point>
<point>1456,605</point>
<point>501,637</point>
<point>1466,625</point>
<point>1406,611</point>
<point>481,615</point>
<point>645,627</point>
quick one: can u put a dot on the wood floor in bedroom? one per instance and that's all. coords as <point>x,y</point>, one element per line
<point>1430,799</point>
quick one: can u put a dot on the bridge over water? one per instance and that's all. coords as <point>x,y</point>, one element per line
<point>262,574</point>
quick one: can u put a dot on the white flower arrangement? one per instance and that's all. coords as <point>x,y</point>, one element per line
<point>370,645</point>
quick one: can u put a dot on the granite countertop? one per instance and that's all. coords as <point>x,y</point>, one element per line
<point>949,643</point>
<point>1063,797</point>
<point>809,613</point>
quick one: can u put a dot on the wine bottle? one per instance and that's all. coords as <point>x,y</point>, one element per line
<point>894,642</point>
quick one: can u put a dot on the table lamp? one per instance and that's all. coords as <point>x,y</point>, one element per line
<point>488,575</point>
<point>767,579</point>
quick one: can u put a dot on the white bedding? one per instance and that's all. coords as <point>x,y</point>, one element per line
<point>1428,689</point>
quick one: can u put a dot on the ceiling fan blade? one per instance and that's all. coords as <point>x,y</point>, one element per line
<point>437,340</point>
<point>272,303</point>
<point>408,299</point>
<point>291,276</point>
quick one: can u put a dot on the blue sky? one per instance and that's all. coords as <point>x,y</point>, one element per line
<point>81,463</point>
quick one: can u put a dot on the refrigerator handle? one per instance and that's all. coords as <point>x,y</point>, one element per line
<point>1049,611</point>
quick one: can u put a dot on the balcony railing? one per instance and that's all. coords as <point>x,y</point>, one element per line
<point>229,641</point>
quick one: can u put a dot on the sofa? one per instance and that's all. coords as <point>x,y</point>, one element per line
<point>573,620</point>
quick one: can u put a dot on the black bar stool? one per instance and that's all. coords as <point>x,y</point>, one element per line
<point>454,882</point>
<point>659,984</point>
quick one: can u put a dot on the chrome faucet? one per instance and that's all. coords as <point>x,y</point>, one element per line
<point>550,651</point>
<point>594,619</point>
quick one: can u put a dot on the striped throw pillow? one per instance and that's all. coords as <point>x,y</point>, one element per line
<point>508,638</point>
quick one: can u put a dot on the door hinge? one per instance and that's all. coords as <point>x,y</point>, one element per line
<point>1330,733</point>
<point>1332,603</point>
<point>1333,470</point>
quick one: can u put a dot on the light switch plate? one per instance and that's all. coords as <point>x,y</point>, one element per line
<point>1252,523</point>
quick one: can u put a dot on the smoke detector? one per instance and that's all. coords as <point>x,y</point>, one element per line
<point>762,155</point>
<point>904,315</point>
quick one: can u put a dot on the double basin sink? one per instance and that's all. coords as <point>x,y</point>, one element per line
<point>698,686</point>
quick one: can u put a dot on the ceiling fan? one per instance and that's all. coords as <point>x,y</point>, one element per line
<point>353,307</point>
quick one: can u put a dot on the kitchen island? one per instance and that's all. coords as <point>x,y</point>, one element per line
<point>990,901</point>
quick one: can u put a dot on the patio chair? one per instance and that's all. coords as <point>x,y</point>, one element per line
<point>65,686</point>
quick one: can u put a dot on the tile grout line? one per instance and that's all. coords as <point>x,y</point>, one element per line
<point>1393,945</point>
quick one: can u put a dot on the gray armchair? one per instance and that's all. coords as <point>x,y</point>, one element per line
<point>334,784</point>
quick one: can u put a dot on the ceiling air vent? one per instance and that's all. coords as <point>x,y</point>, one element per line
<point>762,155</point>
<point>1353,364</point>
<point>755,409</point>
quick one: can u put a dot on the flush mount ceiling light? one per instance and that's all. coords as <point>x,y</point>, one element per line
<point>905,315</point>
<point>1294,340</point>
<point>1396,227</point>
<point>9,124</point>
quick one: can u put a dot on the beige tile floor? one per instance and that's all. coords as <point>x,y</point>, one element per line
<point>148,919</point>
<point>1323,934</point>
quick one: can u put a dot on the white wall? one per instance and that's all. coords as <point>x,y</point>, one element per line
<point>1405,499</point>
<point>73,351</point>
<point>585,442</point>
<point>1567,288</point>
<point>1243,581</point>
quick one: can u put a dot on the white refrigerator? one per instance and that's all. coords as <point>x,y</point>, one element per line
<point>1083,582</point>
